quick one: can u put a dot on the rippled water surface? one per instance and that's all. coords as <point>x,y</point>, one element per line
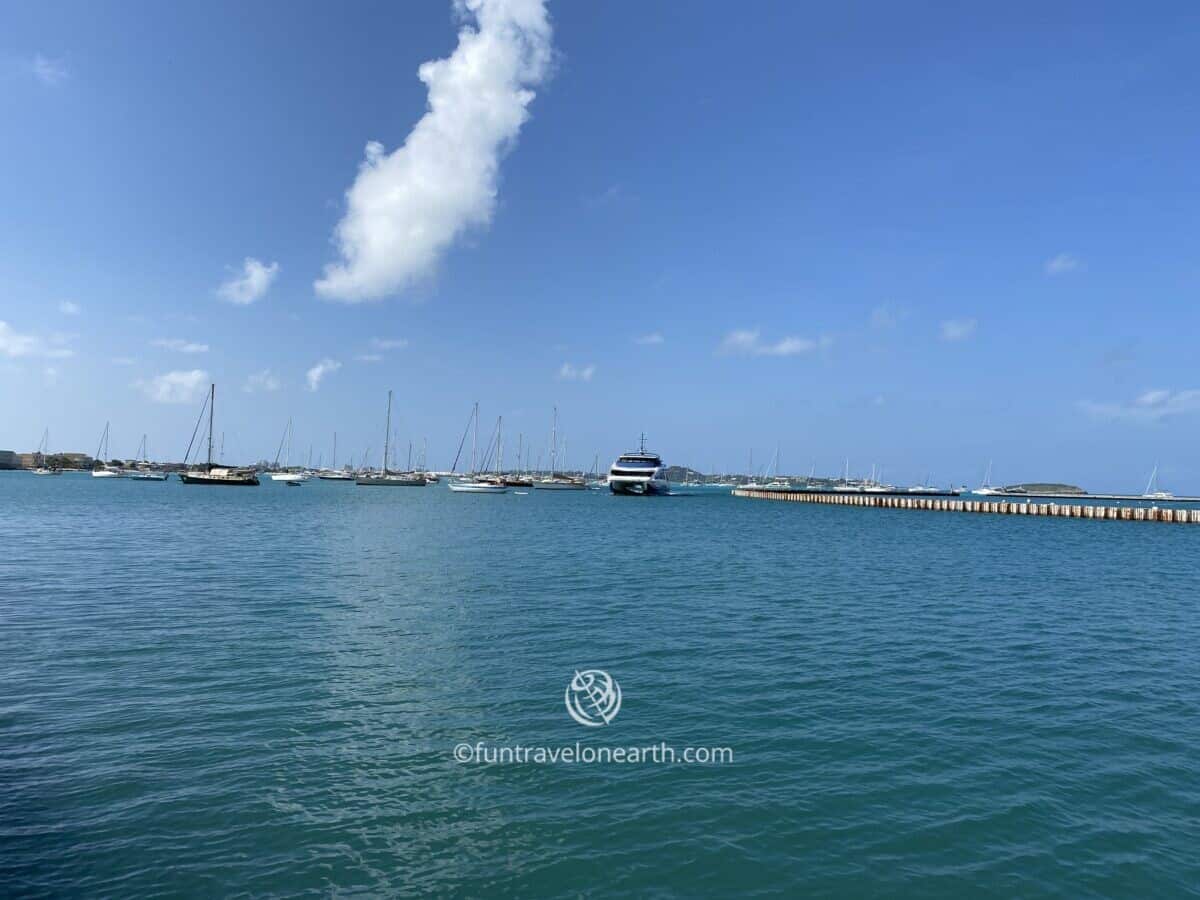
<point>213,691</point>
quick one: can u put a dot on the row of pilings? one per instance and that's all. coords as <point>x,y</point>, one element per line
<point>999,507</point>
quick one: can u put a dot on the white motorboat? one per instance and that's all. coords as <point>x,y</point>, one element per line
<point>639,472</point>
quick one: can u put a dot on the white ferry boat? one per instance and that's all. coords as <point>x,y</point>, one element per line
<point>639,472</point>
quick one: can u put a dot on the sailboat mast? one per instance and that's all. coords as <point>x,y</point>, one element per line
<point>333,463</point>
<point>474,434</point>
<point>554,443</point>
<point>212,401</point>
<point>387,433</point>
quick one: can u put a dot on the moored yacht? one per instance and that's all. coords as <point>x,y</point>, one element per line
<point>286,474</point>
<point>1153,491</point>
<point>142,470</point>
<point>639,472</point>
<point>558,481</point>
<point>986,489</point>
<point>385,478</point>
<point>40,456</point>
<point>101,468</point>
<point>222,476</point>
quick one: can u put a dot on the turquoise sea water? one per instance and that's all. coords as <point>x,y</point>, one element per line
<point>210,692</point>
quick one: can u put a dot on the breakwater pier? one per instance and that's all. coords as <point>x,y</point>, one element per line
<point>1010,507</point>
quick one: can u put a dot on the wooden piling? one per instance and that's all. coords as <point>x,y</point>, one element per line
<point>995,507</point>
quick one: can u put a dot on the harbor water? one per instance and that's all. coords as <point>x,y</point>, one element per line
<point>209,692</point>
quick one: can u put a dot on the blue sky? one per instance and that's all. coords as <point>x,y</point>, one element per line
<point>923,237</point>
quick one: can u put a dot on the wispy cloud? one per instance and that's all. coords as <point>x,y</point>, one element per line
<point>318,372</point>
<point>67,308</point>
<point>261,382</point>
<point>958,329</point>
<point>174,387</point>
<point>389,343</point>
<point>406,208</point>
<point>571,372</point>
<point>48,71</point>
<point>749,342</point>
<point>654,337</point>
<point>614,193</point>
<point>369,357</point>
<point>179,345</point>
<point>1063,264</point>
<point>1152,406</point>
<point>123,361</point>
<point>50,374</point>
<point>15,344</point>
<point>251,284</point>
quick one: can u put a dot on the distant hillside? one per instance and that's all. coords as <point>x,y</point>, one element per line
<point>1044,487</point>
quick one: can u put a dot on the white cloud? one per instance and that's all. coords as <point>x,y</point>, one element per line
<point>406,208</point>
<point>179,345</point>
<point>1152,406</point>
<point>957,329</point>
<point>51,375</point>
<point>67,308</point>
<point>48,71</point>
<point>1063,263</point>
<point>749,342</point>
<point>251,284</point>
<point>320,370</point>
<point>389,343</point>
<point>264,381</point>
<point>369,357</point>
<point>654,337</point>
<point>571,372</point>
<point>14,344</point>
<point>174,387</point>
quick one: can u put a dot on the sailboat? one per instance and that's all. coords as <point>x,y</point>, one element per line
<point>1153,492</point>
<point>597,482</point>
<point>103,469</point>
<point>986,489</point>
<point>333,473</point>
<point>876,485</point>
<point>776,483</point>
<point>925,487</point>
<point>846,486</point>
<point>555,481</point>
<point>210,474</point>
<point>144,472</point>
<point>286,474</point>
<point>473,483</point>
<point>384,478</point>
<point>42,468</point>
<point>515,478</point>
